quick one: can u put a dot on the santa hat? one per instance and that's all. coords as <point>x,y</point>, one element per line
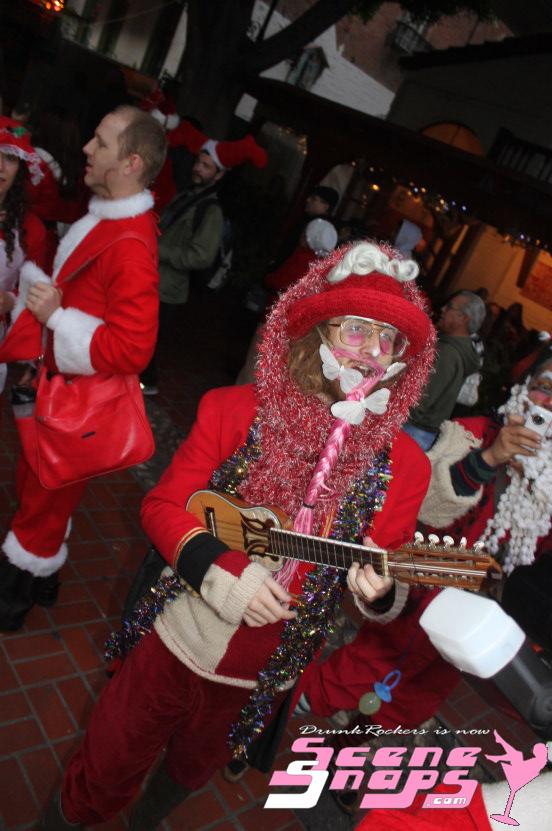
<point>161,107</point>
<point>228,154</point>
<point>369,281</point>
<point>15,140</point>
<point>188,136</point>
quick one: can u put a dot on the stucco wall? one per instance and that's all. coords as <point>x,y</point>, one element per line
<point>495,264</point>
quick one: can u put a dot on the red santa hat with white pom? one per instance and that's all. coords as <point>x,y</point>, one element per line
<point>229,154</point>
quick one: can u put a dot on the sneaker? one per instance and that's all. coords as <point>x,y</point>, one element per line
<point>148,389</point>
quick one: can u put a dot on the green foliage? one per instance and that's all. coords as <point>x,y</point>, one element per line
<point>430,10</point>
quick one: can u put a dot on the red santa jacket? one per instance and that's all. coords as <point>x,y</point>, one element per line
<point>205,630</point>
<point>106,268</point>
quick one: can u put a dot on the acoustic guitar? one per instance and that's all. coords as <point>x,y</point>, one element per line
<point>265,536</point>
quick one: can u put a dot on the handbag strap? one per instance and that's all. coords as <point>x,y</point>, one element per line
<point>90,260</point>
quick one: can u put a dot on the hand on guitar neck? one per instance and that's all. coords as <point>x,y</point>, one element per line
<point>272,601</point>
<point>364,582</point>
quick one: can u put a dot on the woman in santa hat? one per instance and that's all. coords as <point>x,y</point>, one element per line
<point>22,234</point>
<point>215,648</point>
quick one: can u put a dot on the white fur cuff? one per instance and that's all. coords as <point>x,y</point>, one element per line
<point>73,332</point>
<point>25,560</point>
<point>29,274</point>
<point>401,594</point>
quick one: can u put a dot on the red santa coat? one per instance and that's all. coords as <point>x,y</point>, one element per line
<point>106,268</point>
<point>206,632</point>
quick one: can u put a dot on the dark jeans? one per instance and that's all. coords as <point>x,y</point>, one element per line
<point>167,315</point>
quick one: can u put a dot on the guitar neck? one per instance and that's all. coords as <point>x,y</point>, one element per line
<point>325,552</point>
<point>455,567</point>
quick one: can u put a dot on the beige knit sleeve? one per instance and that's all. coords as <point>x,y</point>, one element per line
<point>228,595</point>
<point>442,505</point>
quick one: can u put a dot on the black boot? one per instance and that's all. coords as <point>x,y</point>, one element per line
<point>53,820</point>
<point>162,795</point>
<point>16,595</point>
<point>45,590</point>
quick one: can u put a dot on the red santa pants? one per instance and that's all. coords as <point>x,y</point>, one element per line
<point>40,522</point>
<point>152,701</point>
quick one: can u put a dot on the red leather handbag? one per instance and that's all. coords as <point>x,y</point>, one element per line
<point>84,427</point>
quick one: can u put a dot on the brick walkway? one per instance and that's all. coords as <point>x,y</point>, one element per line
<point>51,671</point>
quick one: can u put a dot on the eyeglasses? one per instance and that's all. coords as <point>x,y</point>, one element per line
<point>355,331</point>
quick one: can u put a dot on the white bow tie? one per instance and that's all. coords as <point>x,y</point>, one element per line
<point>354,411</point>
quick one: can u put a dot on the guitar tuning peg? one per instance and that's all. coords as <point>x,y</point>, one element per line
<point>448,541</point>
<point>418,538</point>
<point>433,539</point>
<point>463,542</point>
<point>478,546</point>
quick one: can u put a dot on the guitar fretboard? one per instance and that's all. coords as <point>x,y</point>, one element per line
<point>324,551</point>
<point>341,555</point>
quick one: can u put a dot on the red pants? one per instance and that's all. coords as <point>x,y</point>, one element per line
<point>40,522</point>
<point>152,701</point>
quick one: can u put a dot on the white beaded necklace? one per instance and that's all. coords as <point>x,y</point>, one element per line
<point>525,507</point>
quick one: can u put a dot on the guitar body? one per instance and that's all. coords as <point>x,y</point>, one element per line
<point>240,526</point>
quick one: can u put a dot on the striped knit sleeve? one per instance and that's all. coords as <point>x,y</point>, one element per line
<point>468,474</point>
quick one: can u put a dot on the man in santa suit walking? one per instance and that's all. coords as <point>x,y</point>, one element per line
<point>100,311</point>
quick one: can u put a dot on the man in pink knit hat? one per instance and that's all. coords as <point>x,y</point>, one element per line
<point>217,647</point>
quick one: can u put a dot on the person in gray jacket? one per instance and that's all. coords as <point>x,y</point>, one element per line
<point>456,358</point>
<point>191,231</point>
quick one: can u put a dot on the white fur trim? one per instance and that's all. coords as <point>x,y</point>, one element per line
<point>173,120</point>
<point>54,318</point>
<point>25,560</point>
<point>50,161</point>
<point>125,208</point>
<point>72,239</point>
<point>160,117</point>
<point>401,595</point>
<point>210,147</point>
<point>365,258</point>
<point>73,332</point>
<point>30,273</point>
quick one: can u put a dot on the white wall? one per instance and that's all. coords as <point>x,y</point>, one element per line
<point>176,49</point>
<point>134,36</point>
<point>495,264</point>
<point>342,81</point>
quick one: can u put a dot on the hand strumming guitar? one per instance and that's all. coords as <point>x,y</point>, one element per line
<point>269,605</point>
